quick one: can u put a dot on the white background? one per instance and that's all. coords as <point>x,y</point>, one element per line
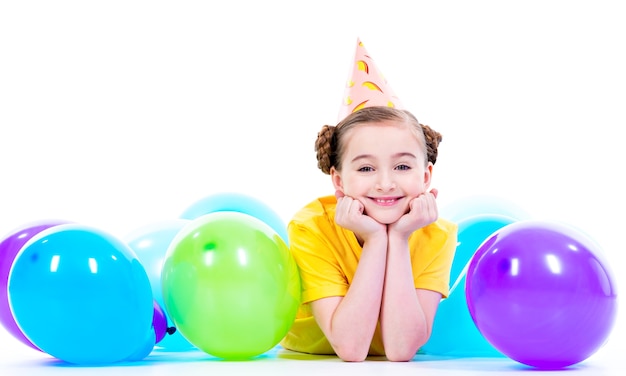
<point>118,114</point>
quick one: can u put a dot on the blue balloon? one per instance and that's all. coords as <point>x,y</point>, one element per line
<point>454,332</point>
<point>150,244</point>
<point>81,295</point>
<point>145,347</point>
<point>237,202</point>
<point>471,205</point>
<point>471,233</point>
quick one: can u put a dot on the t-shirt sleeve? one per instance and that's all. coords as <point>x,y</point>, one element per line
<point>320,272</point>
<point>434,271</point>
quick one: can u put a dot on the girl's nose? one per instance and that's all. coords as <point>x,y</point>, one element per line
<point>385,183</point>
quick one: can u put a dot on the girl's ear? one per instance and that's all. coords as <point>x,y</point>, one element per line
<point>336,178</point>
<point>428,174</point>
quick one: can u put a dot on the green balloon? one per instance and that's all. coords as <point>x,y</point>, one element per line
<point>230,285</point>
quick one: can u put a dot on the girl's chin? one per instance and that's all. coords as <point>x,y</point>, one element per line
<point>385,218</point>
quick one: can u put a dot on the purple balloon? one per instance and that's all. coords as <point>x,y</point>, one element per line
<point>541,293</point>
<point>9,248</point>
<point>159,322</point>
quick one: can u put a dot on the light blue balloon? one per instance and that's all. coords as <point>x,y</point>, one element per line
<point>454,332</point>
<point>145,347</point>
<point>472,205</point>
<point>81,295</point>
<point>237,202</point>
<point>472,232</point>
<point>150,244</point>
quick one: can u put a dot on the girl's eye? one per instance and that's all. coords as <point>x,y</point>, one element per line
<point>403,167</point>
<point>366,169</point>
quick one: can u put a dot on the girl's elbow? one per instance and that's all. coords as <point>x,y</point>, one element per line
<point>351,353</point>
<point>401,355</point>
<point>405,352</point>
<point>352,357</point>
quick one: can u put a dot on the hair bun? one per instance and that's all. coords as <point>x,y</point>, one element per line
<point>433,138</point>
<point>323,148</point>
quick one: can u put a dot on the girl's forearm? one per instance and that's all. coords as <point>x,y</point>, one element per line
<point>403,323</point>
<point>354,322</point>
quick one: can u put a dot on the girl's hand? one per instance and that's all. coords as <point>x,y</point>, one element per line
<point>349,215</point>
<point>422,212</point>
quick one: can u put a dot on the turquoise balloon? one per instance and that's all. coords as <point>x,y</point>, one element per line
<point>237,202</point>
<point>150,243</point>
<point>454,332</point>
<point>472,205</point>
<point>145,347</point>
<point>471,233</point>
<point>81,295</point>
<point>231,285</point>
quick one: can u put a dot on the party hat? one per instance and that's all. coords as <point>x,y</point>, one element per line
<point>367,86</point>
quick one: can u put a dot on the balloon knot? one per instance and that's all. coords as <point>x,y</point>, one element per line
<point>171,330</point>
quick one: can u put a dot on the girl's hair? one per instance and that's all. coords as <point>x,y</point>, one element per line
<point>329,144</point>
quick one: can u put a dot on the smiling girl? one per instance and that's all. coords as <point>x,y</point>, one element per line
<point>374,258</point>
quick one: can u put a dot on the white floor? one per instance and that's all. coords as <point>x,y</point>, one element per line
<point>18,359</point>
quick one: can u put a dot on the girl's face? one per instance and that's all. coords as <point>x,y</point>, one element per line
<point>384,168</point>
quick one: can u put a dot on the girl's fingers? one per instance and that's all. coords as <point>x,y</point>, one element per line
<point>435,192</point>
<point>339,194</point>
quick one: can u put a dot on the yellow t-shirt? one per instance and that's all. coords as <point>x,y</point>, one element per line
<point>327,256</point>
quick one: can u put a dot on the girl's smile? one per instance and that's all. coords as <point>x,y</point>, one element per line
<point>386,201</point>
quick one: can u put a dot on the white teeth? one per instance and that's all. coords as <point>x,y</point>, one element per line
<point>385,201</point>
